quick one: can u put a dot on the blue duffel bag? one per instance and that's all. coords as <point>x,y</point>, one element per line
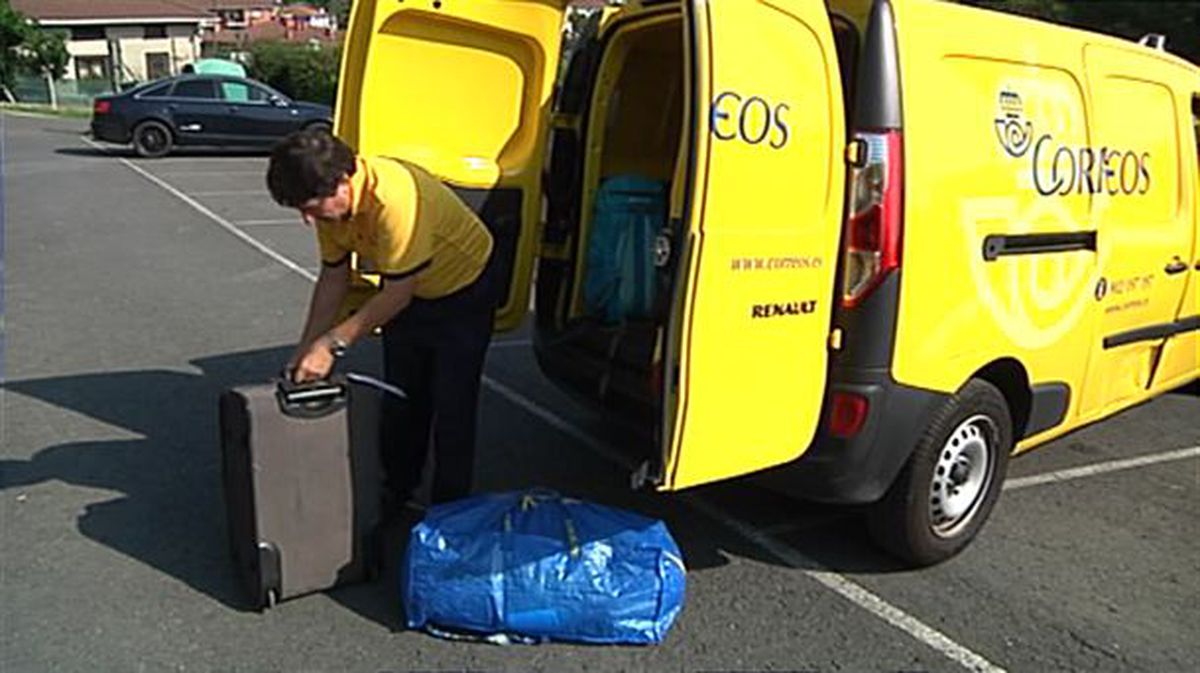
<point>535,566</point>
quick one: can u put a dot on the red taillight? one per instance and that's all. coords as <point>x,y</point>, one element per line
<point>847,414</point>
<point>874,216</point>
<point>101,107</point>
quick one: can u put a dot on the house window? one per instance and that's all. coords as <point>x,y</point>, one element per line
<point>154,32</point>
<point>158,65</point>
<point>233,17</point>
<point>87,32</point>
<point>91,67</point>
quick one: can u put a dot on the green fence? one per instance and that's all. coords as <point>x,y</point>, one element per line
<point>70,93</point>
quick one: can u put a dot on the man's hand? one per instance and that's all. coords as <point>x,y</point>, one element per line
<point>313,364</point>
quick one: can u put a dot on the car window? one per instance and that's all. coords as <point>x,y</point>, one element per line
<point>243,92</point>
<point>195,88</point>
<point>159,90</point>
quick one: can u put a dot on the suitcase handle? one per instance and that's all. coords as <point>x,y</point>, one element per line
<point>311,400</point>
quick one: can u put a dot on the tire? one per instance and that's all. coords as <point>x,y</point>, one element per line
<point>152,139</point>
<point>323,126</point>
<point>947,489</point>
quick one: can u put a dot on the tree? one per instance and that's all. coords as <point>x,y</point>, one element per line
<point>303,71</point>
<point>13,28</point>
<point>45,53</point>
<point>1130,19</point>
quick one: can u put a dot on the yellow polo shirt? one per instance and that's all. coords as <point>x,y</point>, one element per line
<point>403,222</point>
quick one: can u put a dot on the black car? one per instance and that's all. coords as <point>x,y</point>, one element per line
<point>201,110</point>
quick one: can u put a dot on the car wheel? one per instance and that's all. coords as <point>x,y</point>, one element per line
<point>945,492</point>
<point>152,139</point>
<point>320,126</point>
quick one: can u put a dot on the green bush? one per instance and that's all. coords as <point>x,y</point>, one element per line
<point>302,71</point>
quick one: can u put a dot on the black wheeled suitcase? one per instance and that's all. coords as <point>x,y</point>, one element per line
<point>302,482</point>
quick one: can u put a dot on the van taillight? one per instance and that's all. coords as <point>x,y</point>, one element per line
<point>847,414</point>
<point>102,107</point>
<point>874,216</point>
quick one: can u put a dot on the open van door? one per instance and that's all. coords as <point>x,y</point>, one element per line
<point>747,345</point>
<point>462,88</point>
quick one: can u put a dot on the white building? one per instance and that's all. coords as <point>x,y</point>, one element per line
<point>122,40</point>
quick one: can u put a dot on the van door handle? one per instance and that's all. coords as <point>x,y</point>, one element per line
<point>1176,266</point>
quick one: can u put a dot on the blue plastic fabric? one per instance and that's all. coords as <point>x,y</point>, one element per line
<point>533,566</point>
<point>619,280</point>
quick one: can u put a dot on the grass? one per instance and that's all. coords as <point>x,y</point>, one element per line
<point>62,111</point>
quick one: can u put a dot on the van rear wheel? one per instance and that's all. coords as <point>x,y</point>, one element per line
<point>945,492</point>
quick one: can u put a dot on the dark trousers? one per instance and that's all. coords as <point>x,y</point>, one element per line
<point>434,350</point>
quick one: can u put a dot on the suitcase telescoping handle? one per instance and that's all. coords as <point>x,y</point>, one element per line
<point>313,399</point>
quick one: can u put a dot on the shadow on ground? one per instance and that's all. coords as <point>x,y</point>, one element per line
<point>172,515</point>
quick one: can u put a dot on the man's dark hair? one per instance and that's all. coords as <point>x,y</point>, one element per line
<point>307,165</point>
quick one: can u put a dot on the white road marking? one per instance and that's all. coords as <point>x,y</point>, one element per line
<point>264,223</point>
<point>844,587</point>
<point>181,174</point>
<point>224,224</point>
<point>1101,468</point>
<point>839,584</point>
<point>234,192</point>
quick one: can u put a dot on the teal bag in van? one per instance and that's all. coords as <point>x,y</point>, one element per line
<point>620,280</point>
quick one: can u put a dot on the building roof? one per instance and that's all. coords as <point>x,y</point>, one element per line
<point>300,10</point>
<point>216,5</point>
<point>91,11</point>
<point>272,31</point>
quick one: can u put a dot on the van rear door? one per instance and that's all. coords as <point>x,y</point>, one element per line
<point>746,358</point>
<point>463,89</point>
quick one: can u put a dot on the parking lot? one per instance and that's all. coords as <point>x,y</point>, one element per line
<point>136,290</point>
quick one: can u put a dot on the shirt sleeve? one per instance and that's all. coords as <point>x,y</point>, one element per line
<point>405,245</point>
<point>332,252</point>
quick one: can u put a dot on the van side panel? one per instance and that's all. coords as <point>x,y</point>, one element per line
<point>999,258</point>
<point>1146,223</point>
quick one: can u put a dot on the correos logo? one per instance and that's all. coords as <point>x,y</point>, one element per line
<point>1035,300</point>
<point>1012,129</point>
<point>1059,169</point>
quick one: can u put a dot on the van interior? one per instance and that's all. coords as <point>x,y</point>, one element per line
<point>622,116</point>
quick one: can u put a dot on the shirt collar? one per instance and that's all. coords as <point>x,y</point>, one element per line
<point>358,187</point>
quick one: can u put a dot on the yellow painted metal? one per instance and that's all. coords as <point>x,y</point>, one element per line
<point>764,225</point>
<point>1034,135</point>
<point>463,88</point>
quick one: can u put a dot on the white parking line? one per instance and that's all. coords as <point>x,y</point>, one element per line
<point>264,223</point>
<point>841,585</point>
<point>183,174</point>
<point>846,588</point>
<point>222,222</point>
<point>1101,468</point>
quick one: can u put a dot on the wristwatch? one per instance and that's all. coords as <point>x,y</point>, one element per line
<point>337,347</point>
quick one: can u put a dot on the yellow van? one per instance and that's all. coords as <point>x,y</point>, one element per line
<point>897,240</point>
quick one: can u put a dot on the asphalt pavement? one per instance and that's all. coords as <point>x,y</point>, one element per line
<point>137,290</point>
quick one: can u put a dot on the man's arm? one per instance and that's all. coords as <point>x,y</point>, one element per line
<point>317,359</point>
<point>327,297</point>
<point>377,311</point>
